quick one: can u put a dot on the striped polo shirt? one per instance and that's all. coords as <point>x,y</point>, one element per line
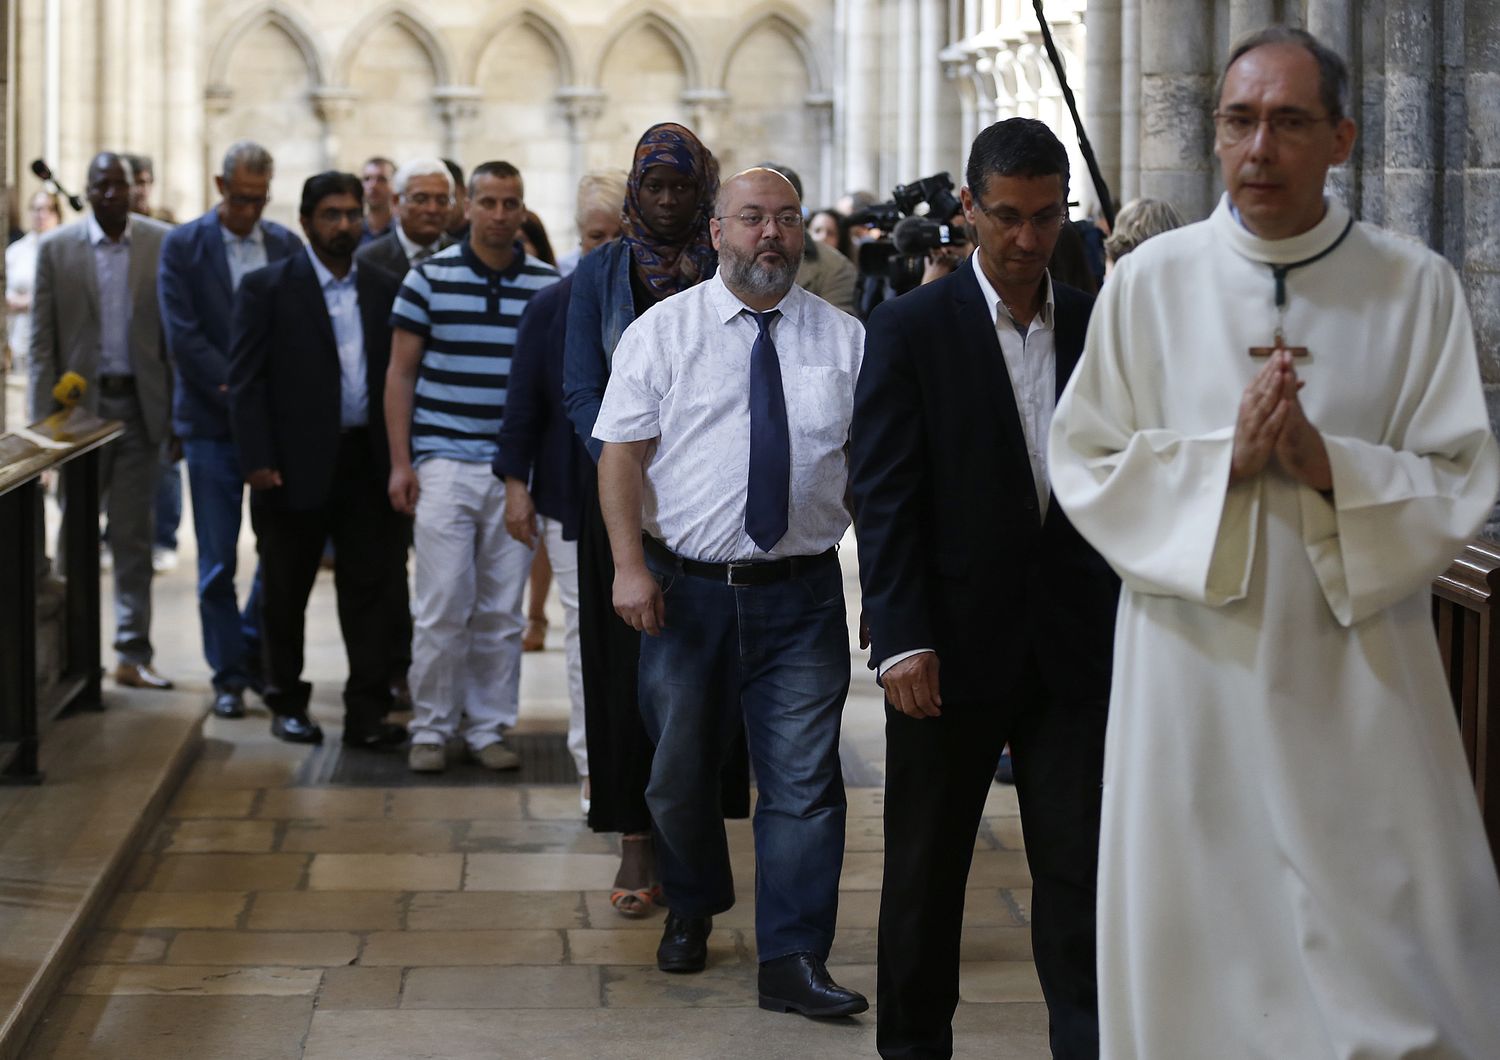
<point>466,313</point>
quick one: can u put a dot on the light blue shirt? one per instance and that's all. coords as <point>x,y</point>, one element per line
<point>342,301</point>
<point>244,253</point>
<point>112,273</point>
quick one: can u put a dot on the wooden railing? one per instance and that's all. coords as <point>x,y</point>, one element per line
<point>1464,610</point>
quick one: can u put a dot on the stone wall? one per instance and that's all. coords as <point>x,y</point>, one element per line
<point>555,88</point>
<point>1425,93</point>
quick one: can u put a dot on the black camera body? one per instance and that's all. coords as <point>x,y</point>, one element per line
<point>893,264</point>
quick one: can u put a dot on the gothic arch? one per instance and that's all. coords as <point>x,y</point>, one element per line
<point>647,17</point>
<point>781,20</point>
<point>397,14</point>
<point>272,14</point>
<point>541,21</point>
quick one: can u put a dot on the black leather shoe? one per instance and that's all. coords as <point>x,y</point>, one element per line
<point>386,736</point>
<point>296,728</point>
<point>684,943</point>
<point>799,982</point>
<point>229,704</point>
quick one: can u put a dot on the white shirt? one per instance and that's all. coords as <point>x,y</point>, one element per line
<point>681,373</point>
<point>413,248</point>
<point>342,300</point>
<point>244,253</point>
<point>20,278</point>
<point>1031,363</point>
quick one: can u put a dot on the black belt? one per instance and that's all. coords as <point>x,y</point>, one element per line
<point>114,385</point>
<point>741,575</point>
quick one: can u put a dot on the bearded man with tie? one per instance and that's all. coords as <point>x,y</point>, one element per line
<point>725,423</point>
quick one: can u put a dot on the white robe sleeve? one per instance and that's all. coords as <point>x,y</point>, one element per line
<point>1402,508</point>
<point>1154,502</point>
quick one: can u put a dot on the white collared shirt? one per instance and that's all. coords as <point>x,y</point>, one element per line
<point>1031,362</point>
<point>342,300</point>
<point>681,374</point>
<point>412,248</point>
<point>244,253</point>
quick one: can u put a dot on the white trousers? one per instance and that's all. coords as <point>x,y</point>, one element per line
<point>564,558</point>
<point>466,607</point>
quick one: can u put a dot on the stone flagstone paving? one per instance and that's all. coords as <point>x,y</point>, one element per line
<point>265,919</point>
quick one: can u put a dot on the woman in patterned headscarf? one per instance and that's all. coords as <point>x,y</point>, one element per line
<point>664,248</point>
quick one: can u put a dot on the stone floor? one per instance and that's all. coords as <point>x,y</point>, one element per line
<point>269,917</point>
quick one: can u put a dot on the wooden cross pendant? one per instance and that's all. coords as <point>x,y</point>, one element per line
<point>1266,351</point>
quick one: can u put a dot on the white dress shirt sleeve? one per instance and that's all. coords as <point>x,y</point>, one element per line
<point>639,378</point>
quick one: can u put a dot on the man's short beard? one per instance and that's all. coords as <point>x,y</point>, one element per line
<point>747,274</point>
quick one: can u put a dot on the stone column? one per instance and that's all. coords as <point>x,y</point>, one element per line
<point>1103,51</point>
<point>934,106</point>
<point>581,107</point>
<point>1410,107</point>
<point>961,73</point>
<point>182,181</point>
<point>820,108</point>
<point>1331,22</point>
<point>1246,16</point>
<point>908,114</point>
<point>1130,101</point>
<point>458,106</point>
<point>1177,58</point>
<point>1481,176</point>
<point>862,97</point>
<point>706,108</point>
<point>334,106</point>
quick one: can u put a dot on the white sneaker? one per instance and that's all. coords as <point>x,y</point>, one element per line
<point>426,758</point>
<point>163,560</point>
<point>497,756</point>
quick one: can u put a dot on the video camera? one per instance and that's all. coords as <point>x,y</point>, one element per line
<point>895,260</point>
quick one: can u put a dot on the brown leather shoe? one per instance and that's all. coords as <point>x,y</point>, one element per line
<point>140,675</point>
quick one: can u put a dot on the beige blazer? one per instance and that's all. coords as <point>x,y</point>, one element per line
<point>65,321</point>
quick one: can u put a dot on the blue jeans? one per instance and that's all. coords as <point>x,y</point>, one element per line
<point>168,505</point>
<point>231,638</point>
<point>774,659</point>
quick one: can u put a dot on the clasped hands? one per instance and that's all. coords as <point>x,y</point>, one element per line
<point>1272,424</point>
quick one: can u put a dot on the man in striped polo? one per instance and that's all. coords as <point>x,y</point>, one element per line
<point>453,326</point>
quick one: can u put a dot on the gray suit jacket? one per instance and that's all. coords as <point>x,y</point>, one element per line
<point>65,321</point>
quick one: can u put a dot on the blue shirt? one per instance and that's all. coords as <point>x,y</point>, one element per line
<point>244,253</point>
<point>466,313</point>
<point>112,272</point>
<point>342,301</point>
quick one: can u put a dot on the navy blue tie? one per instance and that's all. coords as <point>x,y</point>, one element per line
<point>770,443</point>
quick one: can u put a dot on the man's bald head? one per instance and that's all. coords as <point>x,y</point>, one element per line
<point>744,182</point>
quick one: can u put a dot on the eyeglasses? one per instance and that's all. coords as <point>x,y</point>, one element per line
<point>1293,128</point>
<point>1010,223</point>
<point>785,219</point>
<point>248,202</point>
<point>331,215</point>
<point>422,198</point>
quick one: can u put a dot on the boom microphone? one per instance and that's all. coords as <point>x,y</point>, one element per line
<point>44,172</point>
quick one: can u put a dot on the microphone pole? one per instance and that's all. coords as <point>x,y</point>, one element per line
<point>43,172</point>
<point>1106,202</point>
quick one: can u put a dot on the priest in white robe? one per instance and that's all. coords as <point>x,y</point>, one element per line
<point>1278,437</point>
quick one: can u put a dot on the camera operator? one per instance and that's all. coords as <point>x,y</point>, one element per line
<point>942,260</point>
<point>923,246</point>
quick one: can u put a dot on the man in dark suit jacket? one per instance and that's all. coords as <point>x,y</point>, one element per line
<point>423,196</point>
<point>306,373</point>
<point>967,565</point>
<point>202,264</point>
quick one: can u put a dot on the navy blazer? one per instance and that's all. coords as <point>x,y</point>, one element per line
<point>285,381</point>
<point>537,440</point>
<point>953,554</point>
<point>197,303</point>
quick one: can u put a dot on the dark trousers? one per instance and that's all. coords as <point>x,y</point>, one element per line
<point>369,542</point>
<point>938,775</point>
<point>770,661</point>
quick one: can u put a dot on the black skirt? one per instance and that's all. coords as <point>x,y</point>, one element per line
<point>620,752</point>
